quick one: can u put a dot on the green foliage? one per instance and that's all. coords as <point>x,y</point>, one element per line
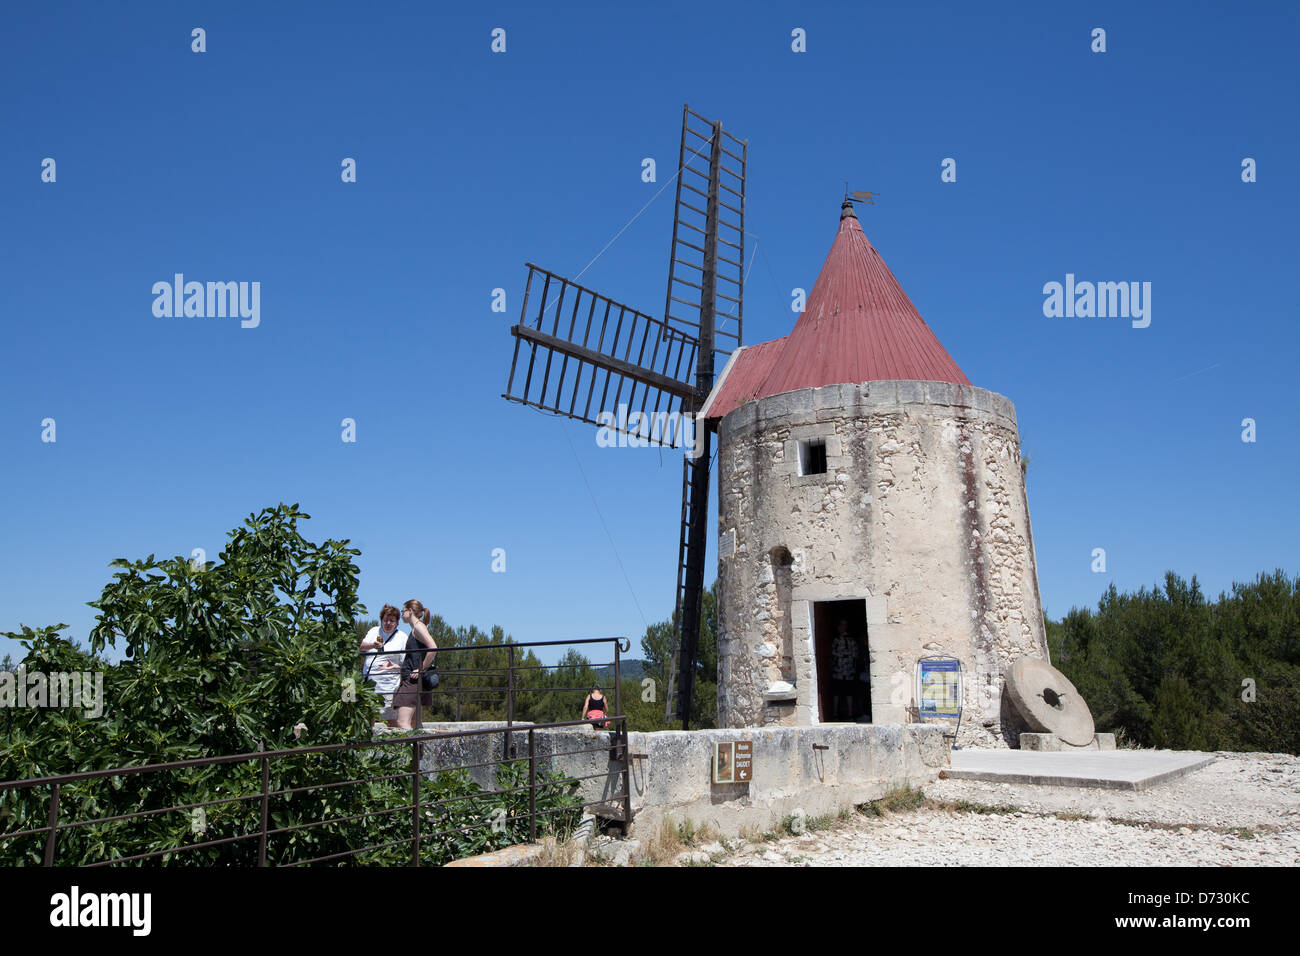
<point>1166,667</point>
<point>225,660</point>
<point>658,646</point>
<point>807,825</point>
<point>1271,722</point>
<point>1179,722</point>
<point>259,650</point>
<point>220,660</point>
<point>643,715</point>
<point>898,800</point>
<point>474,681</point>
<point>466,820</point>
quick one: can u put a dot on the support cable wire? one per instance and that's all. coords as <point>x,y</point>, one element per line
<point>614,547</point>
<point>577,460</point>
<point>596,505</point>
<point>744,279</point>
<point>775,287</point>
<point>668,182</point>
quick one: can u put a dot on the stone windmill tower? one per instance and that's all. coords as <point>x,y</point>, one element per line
<point>862,477</point>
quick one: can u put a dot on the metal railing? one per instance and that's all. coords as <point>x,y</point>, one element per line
<point>443,806</point>
<point>511,691</point>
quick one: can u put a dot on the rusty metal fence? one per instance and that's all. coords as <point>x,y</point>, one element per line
<point>510,693</point>
<point>425,797</point>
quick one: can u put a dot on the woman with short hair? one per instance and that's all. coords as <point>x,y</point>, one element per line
<point>384,669</point>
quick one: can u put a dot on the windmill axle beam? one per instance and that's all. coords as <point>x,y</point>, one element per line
<point>638,373</point>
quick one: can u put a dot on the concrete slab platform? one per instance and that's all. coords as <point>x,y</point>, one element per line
<point>1111,770</point>
<point>1050,743</point>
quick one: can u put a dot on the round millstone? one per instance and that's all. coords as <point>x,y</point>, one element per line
<point>1049,703</point>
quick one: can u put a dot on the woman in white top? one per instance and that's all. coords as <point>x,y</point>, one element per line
<point>385,670</point>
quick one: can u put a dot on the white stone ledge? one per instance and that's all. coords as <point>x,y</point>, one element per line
<point>811,412</point>
<point>781,691</point>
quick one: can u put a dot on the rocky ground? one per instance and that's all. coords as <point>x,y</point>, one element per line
<point>1241,810</point>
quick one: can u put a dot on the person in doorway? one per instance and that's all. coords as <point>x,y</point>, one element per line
<point>862,696</point>
<point>421,650</point>
<point>381,664</point>
<point>595,707</point>
<point>844,672</point>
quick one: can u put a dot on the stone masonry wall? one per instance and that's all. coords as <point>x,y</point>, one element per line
<point>921,513</point>
<point>819,770</point>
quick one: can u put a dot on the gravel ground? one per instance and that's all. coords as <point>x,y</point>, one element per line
<point>1241,810</point>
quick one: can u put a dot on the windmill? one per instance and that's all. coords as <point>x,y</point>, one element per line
<point>576,343</point>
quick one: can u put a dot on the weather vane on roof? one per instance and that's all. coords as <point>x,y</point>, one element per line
<point>859,195</point>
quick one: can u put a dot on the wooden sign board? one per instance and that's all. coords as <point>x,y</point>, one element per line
<point>733,761</point>
<point>744,761</point>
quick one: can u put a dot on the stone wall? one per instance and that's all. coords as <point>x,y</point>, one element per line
<point>819,770</point>
<point>921,513</point>
<point>859,763</point>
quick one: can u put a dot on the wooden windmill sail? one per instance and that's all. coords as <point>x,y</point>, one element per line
<point>581,354</point>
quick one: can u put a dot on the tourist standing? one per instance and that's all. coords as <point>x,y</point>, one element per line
<point>384,670</point>
<point>421,650</point>
<point>844,672</point>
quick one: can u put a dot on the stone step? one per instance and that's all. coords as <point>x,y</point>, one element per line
<point>1114,770</point>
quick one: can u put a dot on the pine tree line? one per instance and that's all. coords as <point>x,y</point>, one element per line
<point>1168,668</point>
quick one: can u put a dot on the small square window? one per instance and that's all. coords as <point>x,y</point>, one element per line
<point>812,456</point>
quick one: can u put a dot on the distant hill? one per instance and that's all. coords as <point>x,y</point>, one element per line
<point>633,669</point>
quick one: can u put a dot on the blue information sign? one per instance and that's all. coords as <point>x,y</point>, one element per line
<point>938,687</point>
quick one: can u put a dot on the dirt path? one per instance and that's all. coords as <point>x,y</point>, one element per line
<point>1242,810</point>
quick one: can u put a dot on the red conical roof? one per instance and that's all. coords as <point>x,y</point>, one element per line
<point>858,325</point>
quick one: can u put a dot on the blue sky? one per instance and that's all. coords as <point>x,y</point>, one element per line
<point>376,295</point>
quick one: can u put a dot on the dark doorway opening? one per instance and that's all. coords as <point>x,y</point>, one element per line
<point>843,678</point>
